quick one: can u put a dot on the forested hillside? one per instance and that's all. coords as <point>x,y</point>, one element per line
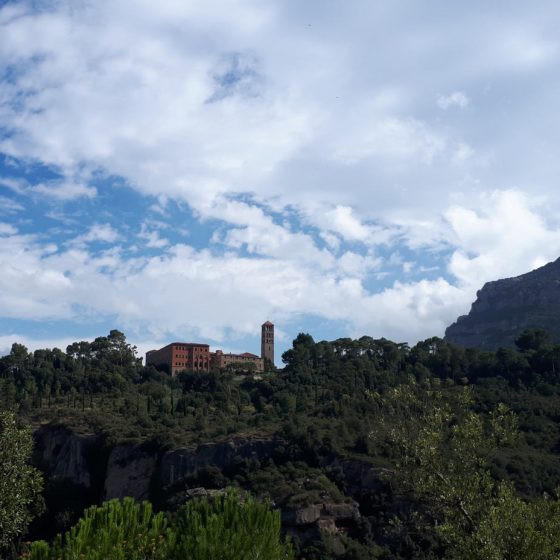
<point>322,438</point>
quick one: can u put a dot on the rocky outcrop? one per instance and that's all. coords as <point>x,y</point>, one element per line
<point>504,308</point>
<point>325,515</point>
<point>310,522</point>
<point>184,462</point>
<point>129,472</point>
<point>360,477</point>
<point>63,454</point>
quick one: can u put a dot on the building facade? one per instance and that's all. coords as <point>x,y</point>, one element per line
<point>192,356</point>
<point>267,342</point>
<point>241,362</point>
<point>179,356</point>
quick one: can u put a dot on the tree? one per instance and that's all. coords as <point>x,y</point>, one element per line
<point>17,359</point>
<point>225,527</point>
<point>302,352</point>
<point>443,450</point>
<point>117,530</point>
<point>229,528</point>
<point>532,339</point>
<point>20,483</point>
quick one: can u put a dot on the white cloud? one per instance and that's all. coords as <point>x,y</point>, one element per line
<point>14,185</point>
<point>32,343</point>
<point>462,154</point>
<point>389,137</point>
<point>259,234</point>
<point>358,266</point>
<point>455,99</point>
<point>7,229</point>
<point>64,190</point>
<point>408,312</point>
<point>98,232</point>
<point>152,237</point>
<point>9,206</point>
<point>503,236</point>
<point>526,48</point>
<point>342,221</point>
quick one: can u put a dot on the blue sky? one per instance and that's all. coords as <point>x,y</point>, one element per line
<point>188,170</point>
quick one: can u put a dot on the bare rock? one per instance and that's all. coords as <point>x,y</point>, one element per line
<point>184,462</point>
<point>325,514</point>
<point>63,454</point>
<point>129,472</point>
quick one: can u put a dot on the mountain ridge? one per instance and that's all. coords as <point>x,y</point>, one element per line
<point>504,308</point>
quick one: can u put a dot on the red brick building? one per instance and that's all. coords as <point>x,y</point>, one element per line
<point>179,356</point>
<point>222,361</point>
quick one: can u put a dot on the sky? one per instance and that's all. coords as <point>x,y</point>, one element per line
<point>185,170</point>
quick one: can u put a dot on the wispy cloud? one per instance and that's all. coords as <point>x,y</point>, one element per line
<point>455,99</point>
<point>64,190</point>
<point>9,206</point>
<point>99,232</point>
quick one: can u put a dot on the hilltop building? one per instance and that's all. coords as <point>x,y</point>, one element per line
<point>222,361</point>
<point>179,356</point>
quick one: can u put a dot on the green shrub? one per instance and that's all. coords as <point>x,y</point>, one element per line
<point>228,528</point>
<point>117,530</point>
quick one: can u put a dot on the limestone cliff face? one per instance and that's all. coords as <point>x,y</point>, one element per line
<point>504,308</point>
<point>130,469</point>
<point>63,454</point>
<point>183,462</point>
<point>129,472</point>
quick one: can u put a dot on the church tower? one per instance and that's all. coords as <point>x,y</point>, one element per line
<point>267,342</point>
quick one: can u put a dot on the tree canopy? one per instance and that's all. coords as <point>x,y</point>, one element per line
<point>225,527</point>
<point>20,483</point>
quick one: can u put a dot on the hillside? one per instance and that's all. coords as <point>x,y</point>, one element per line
<point>314,438</point>
<point>504,308</point>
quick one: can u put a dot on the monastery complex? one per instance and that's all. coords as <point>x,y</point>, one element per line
<point>193,356</point>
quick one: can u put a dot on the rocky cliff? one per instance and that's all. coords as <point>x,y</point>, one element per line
<point>64,454</point>
<point>75,461</point>
<point>504,308</point>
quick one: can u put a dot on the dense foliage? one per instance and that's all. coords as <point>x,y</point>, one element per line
<point>444,463</point>
<point>224,527</point>
<point>20,483</point>
<point>116,530</point>
<point>330,407</point>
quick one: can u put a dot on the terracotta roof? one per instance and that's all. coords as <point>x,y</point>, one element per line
<point>267,323</point>
<point>248,355</point>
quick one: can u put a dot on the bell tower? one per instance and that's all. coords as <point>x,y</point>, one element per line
<point>267,342</point>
